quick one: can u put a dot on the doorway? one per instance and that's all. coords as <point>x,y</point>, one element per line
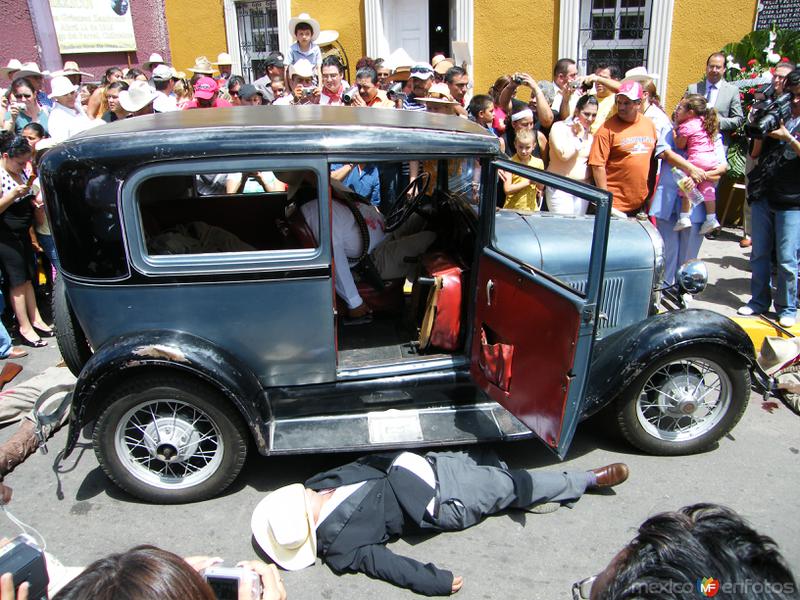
<point>439,15</point>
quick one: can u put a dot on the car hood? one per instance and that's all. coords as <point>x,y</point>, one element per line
<point>560,244</point>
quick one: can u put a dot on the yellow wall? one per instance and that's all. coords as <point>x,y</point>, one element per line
<point>698,31</point>
<point>523,36</point>
<point>346,17</point>
<point>195,29</point>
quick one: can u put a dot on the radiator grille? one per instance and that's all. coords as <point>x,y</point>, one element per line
<point>610,301</point>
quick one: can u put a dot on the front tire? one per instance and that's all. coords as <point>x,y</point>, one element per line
<point>170,439</point>
<point>685,401</point>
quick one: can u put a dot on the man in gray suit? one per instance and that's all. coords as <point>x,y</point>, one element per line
<point>721,95</point>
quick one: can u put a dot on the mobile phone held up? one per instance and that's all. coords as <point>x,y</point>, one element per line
<point>225,582</point>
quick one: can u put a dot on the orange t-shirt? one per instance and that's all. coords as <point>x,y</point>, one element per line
<point>626,151</point>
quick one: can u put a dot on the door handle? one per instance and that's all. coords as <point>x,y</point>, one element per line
<point>489,290</point>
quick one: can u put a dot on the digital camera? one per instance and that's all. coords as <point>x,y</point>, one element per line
<point>25,561</point>
<point>308,91</point>
<point>518,80</point>
<point>225,581</point>
<point>767,115</point>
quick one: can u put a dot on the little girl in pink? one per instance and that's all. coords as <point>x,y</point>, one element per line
<point>697,128</point>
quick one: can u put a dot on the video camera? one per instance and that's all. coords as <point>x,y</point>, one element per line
<point>349,96</point>
<point>25,561</point>
<point>396,92</point>
<point>767,115</point>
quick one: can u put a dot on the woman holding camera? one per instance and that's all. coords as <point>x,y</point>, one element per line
<point>16,253</point>
<point>23,107</point>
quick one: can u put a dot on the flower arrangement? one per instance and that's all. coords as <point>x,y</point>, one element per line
<point>759,52</point>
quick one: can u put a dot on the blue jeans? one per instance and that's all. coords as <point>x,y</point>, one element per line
<point>780,229</point>
<point>5,339</point>
<point>679,246</point>
<point>49,247</point>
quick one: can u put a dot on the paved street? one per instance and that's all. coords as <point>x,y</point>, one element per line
<point>755,470</point>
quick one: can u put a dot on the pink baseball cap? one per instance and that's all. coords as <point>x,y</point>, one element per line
<point>205,88</point>
<point>630,89</point>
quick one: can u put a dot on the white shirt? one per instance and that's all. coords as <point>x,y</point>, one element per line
<point>346,241</point>
<point>338,496</point>
<point>164,103</point>
<point>64,122</point>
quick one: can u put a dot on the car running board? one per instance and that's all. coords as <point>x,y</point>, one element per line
<point>435,426</point>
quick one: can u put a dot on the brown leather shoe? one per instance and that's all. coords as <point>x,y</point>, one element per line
<point>611,475</point>
<point>17,352</point>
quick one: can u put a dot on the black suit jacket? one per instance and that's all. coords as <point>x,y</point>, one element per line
<point>353,537</point>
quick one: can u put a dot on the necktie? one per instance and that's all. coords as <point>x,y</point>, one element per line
<point>710,89</point>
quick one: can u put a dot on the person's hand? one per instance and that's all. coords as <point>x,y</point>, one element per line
<point>505,176</point>
<point>362,310</point>
<point>781,133</point>
<point>687,184</point>
<point>697,174</point>
<point>358,101</point>
<point>5,494</point>
<point>14,110</point>
<point>7,588</point>
<point>200,563</point>
<point>271,581</point>
<point>458,581</point>
<point>578,128</point>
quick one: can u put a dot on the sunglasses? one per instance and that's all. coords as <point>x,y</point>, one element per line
<point>421,70</point>
<point>233,93</point>
<point>23,96</point>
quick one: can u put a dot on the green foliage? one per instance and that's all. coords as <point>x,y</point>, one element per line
<point>752,46</point>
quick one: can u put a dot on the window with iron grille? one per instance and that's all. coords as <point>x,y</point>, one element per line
<point>613,32</point>
<point>258,35</point>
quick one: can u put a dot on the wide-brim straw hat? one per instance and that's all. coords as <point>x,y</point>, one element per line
<point>13,65</point>
<point>302,68</point>
<point>155,58</point>
<point>30,68</point>
<point>202,65</point>
<point>304,18</point>
<point>640,74</point>
<point>61,86</point>
<point>71,68</point>
<point>777,352</point>
<point>224,59</point>
<point>442,67</point>
<point>439,93</point>
<point>327,37</point>
<point>283,525</point>
<point>400,74</point>
<point>138,95</point>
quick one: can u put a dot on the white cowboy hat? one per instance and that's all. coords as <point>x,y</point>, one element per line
<point>777,352</point>
<point>304,18</point>
<point>223,58</point>
<point>30,68</point>
<point>155,58</point>
<point>202,65</point>
<point>71,68</point>
<point>439,93</point>
<point>61,86</point>
<point>302,68</point>
<point>640,74</point>
<point>13,65</point>
<point>327,37</point>
<point>283,525</point>
<point>138,95</point>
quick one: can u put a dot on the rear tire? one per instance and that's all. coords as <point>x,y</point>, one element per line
<point>169,439</point>
<point>72,342</point>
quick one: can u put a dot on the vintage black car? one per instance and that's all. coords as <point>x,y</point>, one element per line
<point>202,314</point>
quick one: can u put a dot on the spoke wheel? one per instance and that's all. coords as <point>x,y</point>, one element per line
<point>170,439</point>
<point>685,402</point>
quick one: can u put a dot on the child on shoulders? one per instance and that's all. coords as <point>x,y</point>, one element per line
<point>305,30</point>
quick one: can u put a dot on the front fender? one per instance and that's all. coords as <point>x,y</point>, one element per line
<point>122,357</point>
<point>622,356</point>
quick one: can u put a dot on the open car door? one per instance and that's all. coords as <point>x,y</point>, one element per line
<point>533,334</point>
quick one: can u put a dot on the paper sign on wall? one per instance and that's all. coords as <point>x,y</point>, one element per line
<point>93,25</point>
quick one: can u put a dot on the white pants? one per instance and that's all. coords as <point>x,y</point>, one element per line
<point>561,202</point>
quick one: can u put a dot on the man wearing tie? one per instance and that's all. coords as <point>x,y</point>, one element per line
<point>721,95</point>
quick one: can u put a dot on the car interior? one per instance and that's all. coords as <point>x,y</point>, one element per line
<point>260,212</point>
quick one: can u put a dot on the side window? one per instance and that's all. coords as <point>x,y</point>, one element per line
<point>230,212</point>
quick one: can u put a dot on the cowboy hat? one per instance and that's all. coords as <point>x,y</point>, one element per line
<point>777,352</point>
<point>302,68</point>
<point>400,74</point>
<point>202,65</point>
<point>639,74</point>
<point>137,96</point>
<point>439,94</point>
<point>71,68</point>
<point>30,68</point>
<point>224,59</point>
<point>13,65</point>
<point>304,18</point>
<point>327,37</point>
<point>283,525</point>
<point>155,58</point>
<point>61,86</point>
<point>442,67</point>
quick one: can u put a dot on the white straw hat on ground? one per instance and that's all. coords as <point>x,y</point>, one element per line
<point>283,526</point>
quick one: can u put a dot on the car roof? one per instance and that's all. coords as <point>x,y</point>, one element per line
<point>291,129</point>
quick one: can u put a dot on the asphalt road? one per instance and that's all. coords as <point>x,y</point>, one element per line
<point>754,470</point>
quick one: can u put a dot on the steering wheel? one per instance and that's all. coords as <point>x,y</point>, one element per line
<point>405,205</point>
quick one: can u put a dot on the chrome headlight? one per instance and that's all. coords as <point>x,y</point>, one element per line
<point>692,276</point>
